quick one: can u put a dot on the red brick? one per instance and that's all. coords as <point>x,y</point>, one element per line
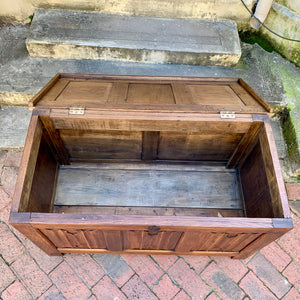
<point>93,297</point>
<point>165,289</point>
<point>135,288</point>
<point>290,242</point>
<point>295,207</point>
<point>4,199</point>
<point>182,295</point>
<point>115,266</point>
<point>292,273</point>
<point>105,289</point>
<point>85,267</point>
<point>145,267</point>
<point>8,179</point>
<point>222,283</point>
<point>70,285</point>
<point>198,263</point>
<point>188,279</point>
<point>276,256</point>
<point>31,275</point>
<point>292,295</point>
<point>165,261</point>
<point>255,289</point>
<point>52,294</point>
<point>3,155</point>
<point>269,275</point>
<point>213,296</point>
<point>16,291</point>
<point>6,275</point>
<point>13,159</point>
<point>4,214</point>
<point>46,263</point>
<point>293,191</point>
<point>233,268</point>
<point>10,247</point>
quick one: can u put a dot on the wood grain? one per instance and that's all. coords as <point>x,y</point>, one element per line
<point>147,187</point>
<point>197,146</point>
<point>245,146</point>
<point>55,138</point>
<point>43,181</point>
<point>27,166</point>
<point>100,144</point>
<point>150,145</point>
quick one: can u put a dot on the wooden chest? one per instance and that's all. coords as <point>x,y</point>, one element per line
<point>160,165</point>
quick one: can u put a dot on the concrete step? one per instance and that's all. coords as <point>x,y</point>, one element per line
<point>84,35</point>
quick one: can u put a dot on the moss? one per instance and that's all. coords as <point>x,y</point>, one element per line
<point>256,38</point>
<point>289,133</point>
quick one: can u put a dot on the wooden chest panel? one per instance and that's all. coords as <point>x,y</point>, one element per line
<point>133,164</point>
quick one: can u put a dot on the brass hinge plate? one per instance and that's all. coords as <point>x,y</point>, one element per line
<point>76,110</point>
<point>227,114</point>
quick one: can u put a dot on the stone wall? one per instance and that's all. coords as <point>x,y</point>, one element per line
<point>19,10</point>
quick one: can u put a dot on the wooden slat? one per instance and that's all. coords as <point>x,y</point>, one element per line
<point>197,146</point>
<point>150,121</point>
<point>100,144</point>
<point>27,166</point>
<point>166,223</point>
<point>151,78</point>
<point>118,93</point>
<point>150,145</point>
<point>257,198</point>
<point>169,240</point>
<point>182,94</point>
<point>132,239</point>
<point>148,252</point>
<point>245,145</point>
<point>273,185</point>
<point>95,238</point>
<point>148,187</point>
<point>56,140</point>
<point>43,181</point>
<point>151,242</point>
<point>113,240</point>
<point>149,211</point>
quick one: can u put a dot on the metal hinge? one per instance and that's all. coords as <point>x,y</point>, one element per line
<point>76,110</point>
<point>227,114</point>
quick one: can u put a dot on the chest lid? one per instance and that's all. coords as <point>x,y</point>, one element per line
<point>78,92</point>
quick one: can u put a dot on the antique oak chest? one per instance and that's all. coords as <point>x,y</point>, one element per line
<point>160,165</point>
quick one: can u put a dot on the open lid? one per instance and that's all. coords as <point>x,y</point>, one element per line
<point>180,94</point>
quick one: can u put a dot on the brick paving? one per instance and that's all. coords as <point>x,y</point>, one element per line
<point>27,273</point>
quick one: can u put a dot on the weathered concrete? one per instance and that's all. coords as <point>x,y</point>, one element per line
<point>22,76</point>
<point>19,10</point>
<point>275,79</point>
<point>293,5</point>
<point>71,34</point>
<point>14,123</point>
<point>286,23</point>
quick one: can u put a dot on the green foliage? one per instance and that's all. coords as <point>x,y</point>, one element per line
<point>256,38</point>
<point>31,17</point>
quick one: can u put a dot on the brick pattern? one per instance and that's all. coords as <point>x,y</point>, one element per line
<point>26,272</point>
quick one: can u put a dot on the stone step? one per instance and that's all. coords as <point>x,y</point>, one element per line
<point>84,35</point>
